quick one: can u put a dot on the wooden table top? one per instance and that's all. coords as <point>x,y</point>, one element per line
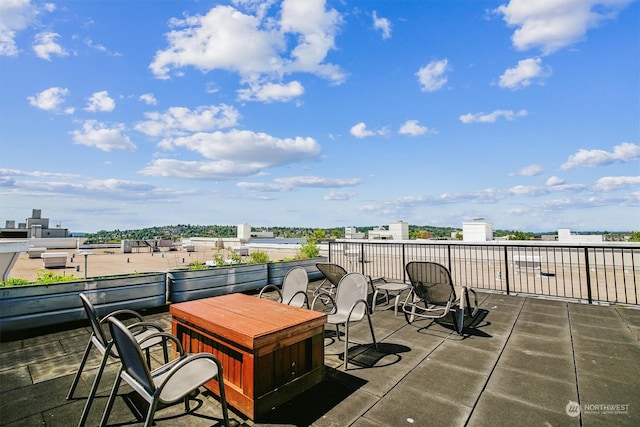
<point>247,320</point>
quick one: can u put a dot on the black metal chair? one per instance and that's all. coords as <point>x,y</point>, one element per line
<point>433,296</point>
<point>167,384</point>
<point>98,339</point>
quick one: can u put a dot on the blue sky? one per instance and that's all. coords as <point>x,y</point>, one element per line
<point>127,114</point>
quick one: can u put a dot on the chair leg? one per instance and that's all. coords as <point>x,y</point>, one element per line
<point>395,305</point>
<point>152,410</point>
<point>76,379</point>
<point>223,397</point>
<point>94,388</point>
<point>346,346</point>
<point>112,398</point>
<point>373,302</point>
<point>459,323</point>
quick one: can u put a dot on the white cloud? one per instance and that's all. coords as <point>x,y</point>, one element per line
<point>49,99</point>
<point>100,102</point>
<point>552,25</point>
<point>609,183</point>
<point>492,117</point>
<point>181,120</point>
<point>411,127</point>
<point>554,180</point>
<point>232,154</point>
<point>250,147</point>
<point>338,195</point>
<point>148,99</point>
<point>15,16</point>
<point>591,158</point>
<point>383,25</point>
<point>98,135</point>
<point>531,170</point>
<point>316,29</point>
<point>523,74</point>
<point>360,131</point>
<point>254,45</point>
<point>204,170</point>
<point>291,183</point>
<point>433,75</point>
<point>271,92</point>
<point>45,45</point>
<point>38,183</point>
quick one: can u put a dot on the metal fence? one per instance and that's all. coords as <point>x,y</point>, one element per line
<point>590,272</point>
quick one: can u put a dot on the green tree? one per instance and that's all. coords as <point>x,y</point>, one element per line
<point>309,249</point>
<point>635,237</point>
<point>520,235</point>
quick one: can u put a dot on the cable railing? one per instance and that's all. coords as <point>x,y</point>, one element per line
<point>591,273</point>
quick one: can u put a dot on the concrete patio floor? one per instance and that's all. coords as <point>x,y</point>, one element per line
<point>531,362</point>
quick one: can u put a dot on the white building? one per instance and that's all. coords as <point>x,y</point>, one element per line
<point>397,231</point>
<point>477,230</point>
<point>351,233</point>
<point>565,236</point>
<point>245,233</point>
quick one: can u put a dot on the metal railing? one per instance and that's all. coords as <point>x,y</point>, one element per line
<point>590,272</point>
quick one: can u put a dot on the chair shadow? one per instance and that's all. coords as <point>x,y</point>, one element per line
<point>367,356</point>
<point>139,407</point>
<point>471,325</point>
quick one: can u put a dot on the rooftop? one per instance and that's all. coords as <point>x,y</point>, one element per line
<point>523,365</point>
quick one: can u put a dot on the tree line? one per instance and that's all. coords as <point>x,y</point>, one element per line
<point>185,231</point>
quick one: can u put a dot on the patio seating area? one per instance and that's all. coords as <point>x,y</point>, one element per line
<point>531,361</point>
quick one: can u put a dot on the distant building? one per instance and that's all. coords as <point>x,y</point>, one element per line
<point>351,233</point>
<point>245,233</point>
<point>565,236</point>
<point>477,230</point>
<point>397,231</point>
<point>34,227</point>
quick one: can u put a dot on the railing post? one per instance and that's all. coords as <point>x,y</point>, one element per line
<point>586,266</point>
<point>329,257</point>
<point>449,257</point>
<point>362,256</point>
<point>506,269</point>
<point>404,263</point>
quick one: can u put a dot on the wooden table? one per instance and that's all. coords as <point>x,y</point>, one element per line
<point>270,352</point>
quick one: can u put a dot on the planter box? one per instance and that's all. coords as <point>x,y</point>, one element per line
<point>33,306</point>
<point>277,270</point>
<point>187,285</point>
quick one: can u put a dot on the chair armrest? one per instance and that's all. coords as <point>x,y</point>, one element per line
<point>357,303</point>
<point>119,313</point>
<point>273,288</point>
<point>333,302</point>
<point>165,336</point>
<point>306,297</point>
<point>144,325</point>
